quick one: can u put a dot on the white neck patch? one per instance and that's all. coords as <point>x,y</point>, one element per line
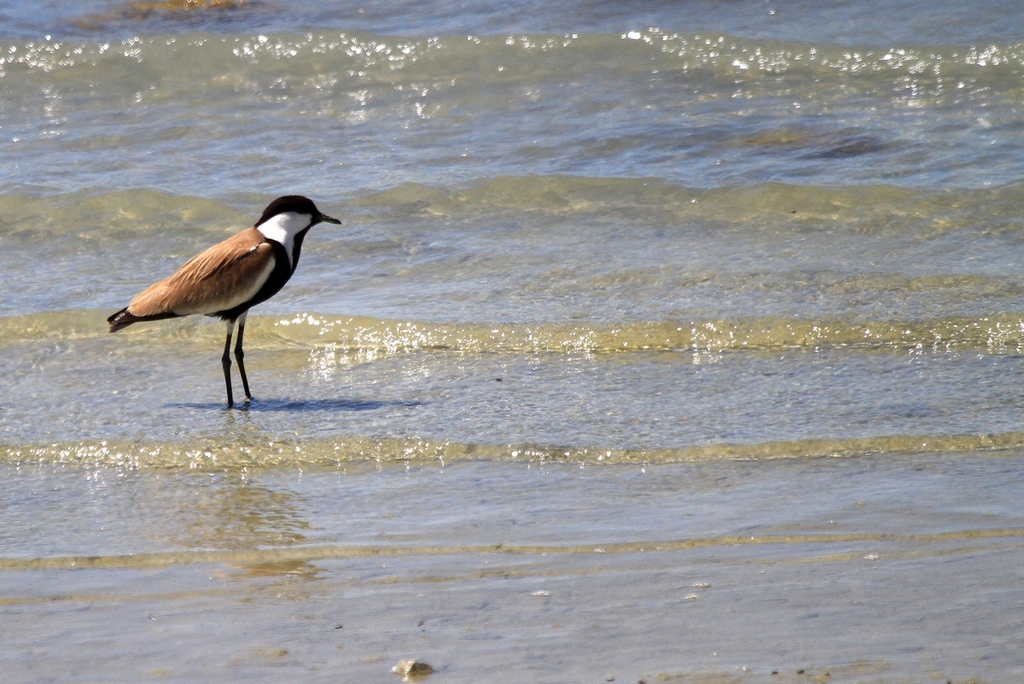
<point>283,228</point>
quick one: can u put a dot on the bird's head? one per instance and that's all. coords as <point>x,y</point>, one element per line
<point>286,220</point>
<point>297,210</point>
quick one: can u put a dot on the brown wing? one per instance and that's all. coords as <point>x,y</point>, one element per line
<point>216,279</point>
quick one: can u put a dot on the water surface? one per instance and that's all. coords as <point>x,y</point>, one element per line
<point>662,341</point>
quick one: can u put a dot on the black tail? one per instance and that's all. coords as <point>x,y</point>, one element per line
<point>121,319</point>
<point>124,318</point>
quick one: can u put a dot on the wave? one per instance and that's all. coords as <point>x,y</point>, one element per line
<point>366,338</point>
<point>238,454</point>
<point>112,216</point>
<point>998,334</point>
<point>313,61</point>
<point>268,557</point>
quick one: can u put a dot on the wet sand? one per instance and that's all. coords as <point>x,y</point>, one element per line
<point>874,569</point>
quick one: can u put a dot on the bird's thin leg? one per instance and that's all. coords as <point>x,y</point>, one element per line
<point>226,362</point>
<point>239,355</point>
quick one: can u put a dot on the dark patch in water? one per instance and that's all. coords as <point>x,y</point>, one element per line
<point>808,144</point>
<point>850,148</point>
<point>147,10</point>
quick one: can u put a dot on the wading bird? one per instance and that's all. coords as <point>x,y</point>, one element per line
<point>226,280</point>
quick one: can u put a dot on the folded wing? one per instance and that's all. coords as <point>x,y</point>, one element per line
<point>217,279</point>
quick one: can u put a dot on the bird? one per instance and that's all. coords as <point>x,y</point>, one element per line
<point>226,280</point>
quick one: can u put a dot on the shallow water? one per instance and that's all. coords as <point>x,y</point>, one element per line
<point>628,300</point>
<point>868,569</point>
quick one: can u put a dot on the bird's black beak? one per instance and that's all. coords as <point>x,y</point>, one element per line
<point>324,218</point>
